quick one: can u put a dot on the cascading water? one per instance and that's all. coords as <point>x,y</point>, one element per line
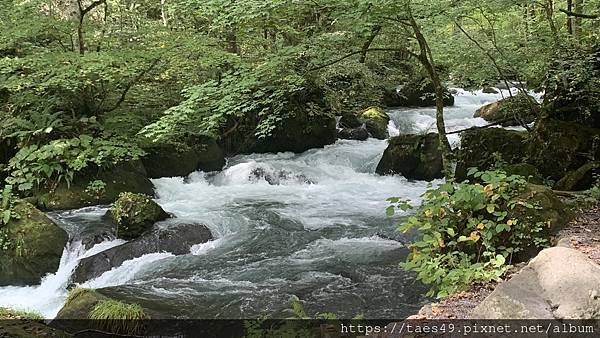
<point>311,225</point>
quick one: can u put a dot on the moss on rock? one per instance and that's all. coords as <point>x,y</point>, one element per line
<point>125,177</point>
<point>134,214</point>
<point>376,121</point>
<point>107,314</point>
<point>167,160</point>
<point>31,247</point>
<point>413,156</point>
<point>540,205</point>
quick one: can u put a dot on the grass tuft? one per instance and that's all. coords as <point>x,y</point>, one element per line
<point>119,317</point>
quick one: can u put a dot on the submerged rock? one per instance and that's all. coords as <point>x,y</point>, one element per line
<point>359,134</point>
<point>376,122</point>
<point>483,148</point>
<point>32,247</point>
<point>415,93</point>
<point>413,156</point>
<point>134,214</point>
<point>560,283</point>
<point>125,177</point>
<point>511,111</point>
<point>175,239</point>
<point>171,160</point>
<point>277,177</point>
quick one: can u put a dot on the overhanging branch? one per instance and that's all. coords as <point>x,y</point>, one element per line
<point>579,15</point>
<point>362,51</point>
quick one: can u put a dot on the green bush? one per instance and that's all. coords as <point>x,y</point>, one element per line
<point>468,233</point>
<point>7,204</point>
<point>38,166</point>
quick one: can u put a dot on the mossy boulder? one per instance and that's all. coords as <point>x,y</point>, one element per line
<point>580,179</point>
<point>306,122</point>
<point>484,148</point>
<point>166,160</point>
<point>558,147</point>
<point>418,92</point>
<point>298,134</point>
<point>32,246</point>
<point>95,186</point>
<point>107,314</point>
<point>134,214</point>
<point>511,111</point>
<point>376,122</point>
<point>540,205</point>
<point>413,156</point>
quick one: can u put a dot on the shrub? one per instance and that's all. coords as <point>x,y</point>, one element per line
<point>46,165</point>
<point>468,232</point>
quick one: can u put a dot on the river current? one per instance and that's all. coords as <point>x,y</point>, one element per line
<point>311,225</point>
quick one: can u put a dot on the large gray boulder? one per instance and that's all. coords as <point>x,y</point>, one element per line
<point>559,283</point>
<point>511,111</point>
<point>176,239</point>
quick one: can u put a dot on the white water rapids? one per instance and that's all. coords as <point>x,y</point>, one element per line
<point>319,232</point>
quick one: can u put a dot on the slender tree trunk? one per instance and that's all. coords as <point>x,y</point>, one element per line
<point>374,32</point>
<point>569,19</point>
<point>577,21</point>
<point>163,12</point>
<point>426,58</point>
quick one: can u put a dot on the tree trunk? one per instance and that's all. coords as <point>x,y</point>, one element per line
<point>163,12</point>
<point>365,48</point>
<point>426,58</point>
<point>577,21</point>
<point>569,19</point>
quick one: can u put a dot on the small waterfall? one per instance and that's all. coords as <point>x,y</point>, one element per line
<point>48,297</point>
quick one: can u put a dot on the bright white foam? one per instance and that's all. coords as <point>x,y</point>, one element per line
<point>48,297</point>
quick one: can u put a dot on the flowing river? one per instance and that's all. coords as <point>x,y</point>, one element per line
<point>315,227</point>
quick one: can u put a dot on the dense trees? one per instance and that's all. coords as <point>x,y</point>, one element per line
<point>124,73</point>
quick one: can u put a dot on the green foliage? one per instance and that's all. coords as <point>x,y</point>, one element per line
<point>119,317</point>
<point>46,165</point>
<point>7,205</point>
<point>467,232</point>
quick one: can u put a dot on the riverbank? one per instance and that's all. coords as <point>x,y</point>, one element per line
<point>582,234</point>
